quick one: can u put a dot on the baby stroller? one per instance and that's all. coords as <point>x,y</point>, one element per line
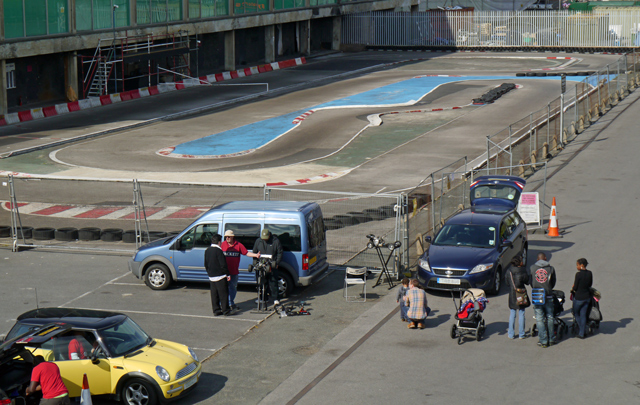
<point>594,316</point>
<point>469,314</point>
<point>560,327</point>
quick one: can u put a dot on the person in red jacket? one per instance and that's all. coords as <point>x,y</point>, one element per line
<point>45,377</point>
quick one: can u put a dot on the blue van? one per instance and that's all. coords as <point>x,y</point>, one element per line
<point>298,225</point>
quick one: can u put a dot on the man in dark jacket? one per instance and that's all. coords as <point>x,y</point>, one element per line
<point>543,275</point>
<point>216,265</point>
<point>269,244</point>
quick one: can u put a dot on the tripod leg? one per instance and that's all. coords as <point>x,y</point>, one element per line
<point>379,279</point>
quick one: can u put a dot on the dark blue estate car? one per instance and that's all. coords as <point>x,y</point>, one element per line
<point>475,246</point>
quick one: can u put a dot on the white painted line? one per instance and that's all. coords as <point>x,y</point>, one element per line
<point>94,290</point>
<point>231,318</point>
<point>136,284</point>
<point>165,212</point>
<point>33,207</point>
<point>70,212</point>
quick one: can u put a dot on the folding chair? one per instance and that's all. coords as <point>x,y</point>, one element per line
<point>355,276</point>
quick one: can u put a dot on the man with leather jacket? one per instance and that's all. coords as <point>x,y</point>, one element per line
<point>269,244</point>
<point>543,275</point>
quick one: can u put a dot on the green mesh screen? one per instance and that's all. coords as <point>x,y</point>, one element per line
<point>174,10</point>
<point>250,6</point>
<point>83,15</point>
<point>284,4</point>
<point>13,23</point>
<point>194,9</point>
<point>35,14</point>
<point>58,20</point>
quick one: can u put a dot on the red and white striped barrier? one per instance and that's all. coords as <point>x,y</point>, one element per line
<point>64,108</point>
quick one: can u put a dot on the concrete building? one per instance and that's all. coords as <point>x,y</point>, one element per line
<point>63,50</point>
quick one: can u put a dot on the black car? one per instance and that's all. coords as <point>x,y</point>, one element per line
<point>475,246</point>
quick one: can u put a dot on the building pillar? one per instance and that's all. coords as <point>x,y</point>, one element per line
<point>335,40</point>
<point>133,13</point>
<point>3,87</point>
<point>71,76</point>
<point>270,43</point>
<point>230,50</point>
<point>305,37</point>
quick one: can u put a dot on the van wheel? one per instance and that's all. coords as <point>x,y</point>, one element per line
<point>157,277</point>
<point>285,284</point>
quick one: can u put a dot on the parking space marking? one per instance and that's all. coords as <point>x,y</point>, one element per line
<point>94,290</point>
<point>230,318</point>
<point>136,284</point>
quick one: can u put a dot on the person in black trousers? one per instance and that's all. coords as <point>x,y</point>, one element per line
<point>216,265</point>
<point>581,291</point>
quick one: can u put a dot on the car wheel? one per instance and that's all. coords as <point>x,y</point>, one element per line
<point>497,282</point>
<point>285,284</point>
<point>454,332</point>
<point>157,277</point>
<point>138,392</point>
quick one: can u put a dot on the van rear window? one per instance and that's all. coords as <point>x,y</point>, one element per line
<point>316,232</point>
<point>289,236</point>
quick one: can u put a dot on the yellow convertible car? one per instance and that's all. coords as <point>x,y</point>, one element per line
<point>117,356</point>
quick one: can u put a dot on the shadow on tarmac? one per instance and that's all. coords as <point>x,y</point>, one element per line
<point>208,386</point>
<point>611,327</point>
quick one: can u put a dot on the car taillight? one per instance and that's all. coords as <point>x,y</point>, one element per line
<point>305,262</point>
<point>5,401</point>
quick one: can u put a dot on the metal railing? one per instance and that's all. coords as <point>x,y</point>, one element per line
<point>602,28</point>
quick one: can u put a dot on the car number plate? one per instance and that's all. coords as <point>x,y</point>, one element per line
<point>190,382</point>
<point>455,281</point>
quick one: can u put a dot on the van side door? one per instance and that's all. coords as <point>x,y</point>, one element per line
<point>188,257</point>
<point>246,232</point>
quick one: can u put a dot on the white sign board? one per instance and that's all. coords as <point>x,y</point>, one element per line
<point>529,208</point>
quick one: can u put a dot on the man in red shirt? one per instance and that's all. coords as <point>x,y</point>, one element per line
<point>76,348</point>
<point>45,377</point>
<point>232,250</point>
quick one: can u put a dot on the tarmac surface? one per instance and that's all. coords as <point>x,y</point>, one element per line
<point>361,352</point>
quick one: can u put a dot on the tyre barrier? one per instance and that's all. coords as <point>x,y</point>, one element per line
<point>374,213</point>
<point>388,211</point>
<point>66,234</point>
<point>111,235</point>
<point>25,232</point>
<point>44,233</point>
<point>5,231</point>
<point>129,236</point>
<point>346,220</point>
<point>89,234</point>
<point>360,216</point>
<point>332,224</point>
<point>494,94</point>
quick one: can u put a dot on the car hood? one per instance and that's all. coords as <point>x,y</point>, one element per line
<point>157,242</point>
<point>172,356</point>
<point>459,257</point>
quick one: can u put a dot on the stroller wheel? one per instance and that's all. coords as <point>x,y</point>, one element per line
<point>460,339</point>
<point>454,332</point>
<point>479,333</point>
<point>534,331</point>
<point>560,333</point>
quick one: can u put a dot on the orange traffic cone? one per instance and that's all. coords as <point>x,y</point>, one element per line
<point>552,231</point>
<point>85,394</point>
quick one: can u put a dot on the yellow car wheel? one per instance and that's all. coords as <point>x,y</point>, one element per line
<point>138,392</point>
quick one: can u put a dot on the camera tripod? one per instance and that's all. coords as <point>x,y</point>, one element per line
<point>377,243</point>
<point>261,267</point>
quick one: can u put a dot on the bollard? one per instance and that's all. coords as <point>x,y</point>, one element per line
<point>565,137</point>
<point>545,150</point>
<point>534,157</point>
<point>580,126</point>
<point>419,245</point>
<point>521,168</point>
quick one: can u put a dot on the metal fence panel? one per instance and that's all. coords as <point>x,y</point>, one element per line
<point>602,28</point>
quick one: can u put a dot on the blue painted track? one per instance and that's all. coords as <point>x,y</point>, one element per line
<point>258,134</point>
